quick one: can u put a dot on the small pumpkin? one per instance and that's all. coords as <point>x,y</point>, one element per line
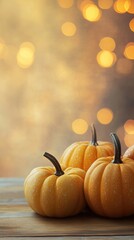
<point>55,193</point>
<point>109,184</point>
<point>83,154</point>
<point>129,152</point>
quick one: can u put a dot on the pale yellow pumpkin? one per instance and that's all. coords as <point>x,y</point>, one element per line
<point>82,154</point>
<point>53,193</point>
<point>109,185</point>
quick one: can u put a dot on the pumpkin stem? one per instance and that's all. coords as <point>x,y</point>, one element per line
<point>117,148</point>
<point>94,136</point>
<point>55,162</point>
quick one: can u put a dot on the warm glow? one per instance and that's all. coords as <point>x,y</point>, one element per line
<point>121,6</point>
<point>129,126</point>
<point>129,140</point>
<point>25,55</point>
<point>105,115</point>
<point>91,12</point>
<point>127,4</point>
<point>68,29</point>
<point>131,25</point>
<point>105,4</point>
<point>107,43</point>
<point>65,3</point>
<point>83,4</point>
<point>129,50</point>
<point>3,49</point>
<point>51,75</point>
<point>131,7</point>
<point>124,66</point>
<point>106,58</point>
<point>79,126</point>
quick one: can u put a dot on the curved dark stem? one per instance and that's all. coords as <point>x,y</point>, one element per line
<point>117,148</point>
<point>94,136</point>
<point>55,162</point>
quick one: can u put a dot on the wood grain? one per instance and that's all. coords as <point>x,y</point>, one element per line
<point>18,220</point>
<point>72,238</point>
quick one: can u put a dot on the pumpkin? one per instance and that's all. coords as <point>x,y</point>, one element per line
<point>51,192</point>
<point>109,184</point>
<point>129,152</point>
<point>82,154</point>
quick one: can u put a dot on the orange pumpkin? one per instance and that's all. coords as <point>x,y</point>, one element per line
<point>55,193</point>
<point>129,152</point>
<point>109,184</point>
<point>83,154</point>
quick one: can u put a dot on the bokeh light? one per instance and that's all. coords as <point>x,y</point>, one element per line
<point>68,29</point>
<point>106,58</point>
<point>65,3</point>
<point>83,4</point>
<point>131,7</point>
<point>129,50</point>
<point>25,55</point>
<point>121,6</point>
<point>124,66</point>
<point>131,25</point>
<point>61,61</point>
<point>105,4</point>
<point>79,126</point>
<point>91,12</point>
<point>107,43</point>
<point>105,115</point>
<point>129,126</point>
<point>129,140</point>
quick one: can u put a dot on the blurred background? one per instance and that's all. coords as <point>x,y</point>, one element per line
<point>64,65</point>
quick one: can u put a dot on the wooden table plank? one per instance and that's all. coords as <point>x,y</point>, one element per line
<point>18,220</point>
<point>72,238</point>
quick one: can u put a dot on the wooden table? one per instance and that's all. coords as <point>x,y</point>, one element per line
<point>18,221</point>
